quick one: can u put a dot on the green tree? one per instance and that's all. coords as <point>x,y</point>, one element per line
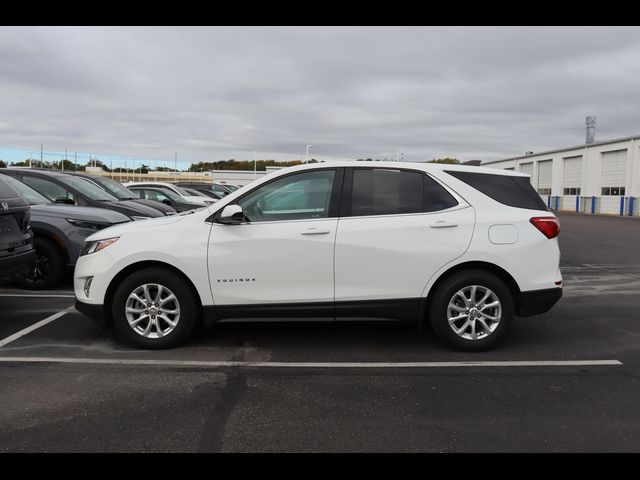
<point>453,161</point>
<point>98,163</point>
<point>3,164</point>
<point>232,164</point>
<point>24,163</point>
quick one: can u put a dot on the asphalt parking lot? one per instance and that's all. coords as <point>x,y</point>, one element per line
<point>564,381</point>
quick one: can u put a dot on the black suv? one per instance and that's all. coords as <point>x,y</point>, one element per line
<point>16,238</point>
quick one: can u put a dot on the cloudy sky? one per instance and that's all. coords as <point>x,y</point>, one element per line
<point>226,92</point>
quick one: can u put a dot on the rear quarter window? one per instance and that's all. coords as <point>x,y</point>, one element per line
<point>506,189</point>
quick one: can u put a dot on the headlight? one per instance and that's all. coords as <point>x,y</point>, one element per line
<point>88,224</point>
<point>97,245</point>
<point>134,218</point>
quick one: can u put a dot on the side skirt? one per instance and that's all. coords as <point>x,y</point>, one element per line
<point>403,309</point>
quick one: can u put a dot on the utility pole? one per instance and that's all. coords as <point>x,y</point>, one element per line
<point>306,157</point>
<point>176,163</point>
<point>65,159</point>
<point>40,155</point>
<point>30,155</point>
<point>255,163</point>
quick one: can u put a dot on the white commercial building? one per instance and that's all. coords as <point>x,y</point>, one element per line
<point>599,177</point>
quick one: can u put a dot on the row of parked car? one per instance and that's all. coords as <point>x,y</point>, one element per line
<point>46,215</point>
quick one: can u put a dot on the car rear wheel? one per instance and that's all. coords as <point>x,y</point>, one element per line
<point>48,267</point>
<point>471,310</point>
<point>154,309</point>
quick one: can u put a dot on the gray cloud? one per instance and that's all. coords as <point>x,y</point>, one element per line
<point>225,92</point>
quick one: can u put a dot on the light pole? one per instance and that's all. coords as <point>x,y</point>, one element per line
<point>306,157</point>
<point>255,163</point>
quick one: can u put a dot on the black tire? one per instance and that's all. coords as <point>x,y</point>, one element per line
<point>48,269</point>
<point>189,308</point>
<point>444,293</point>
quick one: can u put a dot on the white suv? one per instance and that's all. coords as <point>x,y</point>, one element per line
<point>464,248</point>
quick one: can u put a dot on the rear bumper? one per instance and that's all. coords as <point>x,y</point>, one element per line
<point>536,302</point>
<point>94,311</point>
<point>14,265</point>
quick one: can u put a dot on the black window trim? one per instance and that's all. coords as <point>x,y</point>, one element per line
<point>345,206</point>
<point>334,203</point>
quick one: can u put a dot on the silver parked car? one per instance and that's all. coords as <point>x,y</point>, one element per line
<point>59,232</point>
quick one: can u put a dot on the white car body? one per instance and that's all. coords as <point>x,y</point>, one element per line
<point>337,267</point>
<point>196,200</point>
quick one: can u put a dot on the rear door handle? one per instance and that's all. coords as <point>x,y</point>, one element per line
<point>443,224</point>
<point>315,231</point>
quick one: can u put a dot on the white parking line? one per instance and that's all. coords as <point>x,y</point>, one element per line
<point>35,326</point>
<point>218,364</point>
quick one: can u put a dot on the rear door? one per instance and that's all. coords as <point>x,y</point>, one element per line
<point>397,228</point>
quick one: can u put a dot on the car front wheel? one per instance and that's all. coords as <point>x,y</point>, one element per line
<point>154,309</point>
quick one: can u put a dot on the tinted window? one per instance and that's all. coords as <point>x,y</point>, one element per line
<point>389,192</point>
<point>294,197</point>
<point>26,192</point>
<point>48,188</point>
<point>385,192</point>
<point>436,197</point>
<point>506,189</point>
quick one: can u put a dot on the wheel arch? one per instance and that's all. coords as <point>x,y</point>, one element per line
<point>472,265</point>
<point>134,267</point>
<point>54,238</point>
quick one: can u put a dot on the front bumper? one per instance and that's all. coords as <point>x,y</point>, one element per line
<point>95,312</point>
<point>12,266</point>
<point>535,302</point>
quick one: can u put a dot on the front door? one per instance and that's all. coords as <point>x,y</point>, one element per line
<point>281,256</point>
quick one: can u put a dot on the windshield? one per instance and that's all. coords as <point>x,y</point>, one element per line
<point>116,189</point>
<point>87,188</point>
<point>194,193</point>
<point>180,190</point>
<point>29,194</point>
<point>171,194</point>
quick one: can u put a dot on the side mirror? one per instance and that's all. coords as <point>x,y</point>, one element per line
<point>65,200</point>
<point>231,215</point>
<point>166,201</point>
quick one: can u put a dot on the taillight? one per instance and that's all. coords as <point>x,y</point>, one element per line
<point>549,226</point>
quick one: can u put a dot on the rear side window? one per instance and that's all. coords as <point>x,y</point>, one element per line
<point>388,192</point>
<point>506,189</point>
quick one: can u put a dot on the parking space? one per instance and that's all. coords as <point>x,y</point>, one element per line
<point>563,381</point>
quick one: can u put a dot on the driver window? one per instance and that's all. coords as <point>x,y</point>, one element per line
<point>295,197</point>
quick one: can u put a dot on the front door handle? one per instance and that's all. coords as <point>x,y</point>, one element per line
<point>315,231</point>
<point>443,224</point>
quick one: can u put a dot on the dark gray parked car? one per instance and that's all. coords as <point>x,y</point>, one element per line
<point>16,238</point>
<point>123,193</point>
<point>66,189</point>
<point>59,231</point>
